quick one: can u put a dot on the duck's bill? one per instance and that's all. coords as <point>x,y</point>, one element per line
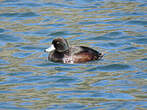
<point>51,48</point>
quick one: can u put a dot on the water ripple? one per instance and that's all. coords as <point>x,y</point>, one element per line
<point>143,23</point>
<point>112,67</point>
<point>23,15</point>
<point>116,28</point>
<point>10,38</point>
<point>2,30</point>
<point>140,41</point>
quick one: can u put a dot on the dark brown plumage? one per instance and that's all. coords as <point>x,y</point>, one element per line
<point>64,53</point>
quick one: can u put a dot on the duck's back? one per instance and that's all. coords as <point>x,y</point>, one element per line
<point>82,54</point>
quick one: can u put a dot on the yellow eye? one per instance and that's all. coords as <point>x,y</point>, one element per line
<point>58,42</point>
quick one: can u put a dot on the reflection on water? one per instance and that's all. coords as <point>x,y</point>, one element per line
<point>29,81</point>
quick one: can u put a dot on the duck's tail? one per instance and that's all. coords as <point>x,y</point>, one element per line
<point>100,55</point>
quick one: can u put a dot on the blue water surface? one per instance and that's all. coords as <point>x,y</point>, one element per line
<point>116,28</point>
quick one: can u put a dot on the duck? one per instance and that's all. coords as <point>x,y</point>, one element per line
<point>61,51</point>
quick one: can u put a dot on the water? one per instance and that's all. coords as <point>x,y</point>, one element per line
<point>116,28</point>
